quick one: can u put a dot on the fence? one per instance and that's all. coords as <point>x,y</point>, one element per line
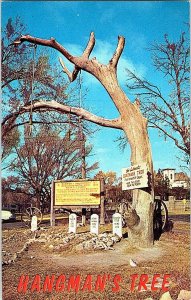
<point>177,205</point>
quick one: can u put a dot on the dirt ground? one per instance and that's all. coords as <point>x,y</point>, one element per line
<point>100,274</point>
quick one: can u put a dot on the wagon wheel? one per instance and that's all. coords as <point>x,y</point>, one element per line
<point>160,217</point>
<point>164,215</point>
<point>29,213</point>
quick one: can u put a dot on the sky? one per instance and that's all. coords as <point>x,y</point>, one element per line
<point>141,23</point>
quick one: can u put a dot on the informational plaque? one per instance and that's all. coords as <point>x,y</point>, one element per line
<point>73,193</point>
<point>135,177</point>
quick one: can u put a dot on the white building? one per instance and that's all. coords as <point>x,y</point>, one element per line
<point>176,179</point>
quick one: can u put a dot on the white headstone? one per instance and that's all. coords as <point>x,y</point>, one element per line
<point>72,223</point>
<point>34,223</point>
<point>117,224</point>
<point>94,224</point>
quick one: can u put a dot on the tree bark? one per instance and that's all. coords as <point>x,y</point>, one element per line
<point>135,127</point>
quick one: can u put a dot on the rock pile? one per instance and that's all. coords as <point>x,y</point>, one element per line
<point>103,241</point>
<point>80,241</point>
<point>59,241</point>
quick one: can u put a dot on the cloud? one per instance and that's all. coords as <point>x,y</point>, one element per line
<point>74,49</point>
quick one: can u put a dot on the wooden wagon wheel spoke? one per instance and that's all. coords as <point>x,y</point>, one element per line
<point>164,211</point>
<point>160,219</point>
<point>29,213</point>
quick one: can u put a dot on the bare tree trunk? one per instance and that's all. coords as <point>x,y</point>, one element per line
<point>38,197</point>
<point>140,217</point>
<point>141,230</point>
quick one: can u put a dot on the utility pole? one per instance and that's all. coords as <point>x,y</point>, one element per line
<point>83,170</point>
<point>82,148</point>
<point>102,207</point>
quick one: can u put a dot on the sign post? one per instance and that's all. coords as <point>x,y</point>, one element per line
<point>102,208</point>
<point>52,212</point>
<point>83,216</point>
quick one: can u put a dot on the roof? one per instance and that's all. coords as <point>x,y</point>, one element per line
<point>180,177</point>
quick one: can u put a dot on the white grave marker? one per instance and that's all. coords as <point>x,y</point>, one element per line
<point>94,224</point>
<point>117,224</point>
<point>72,223</point>
<point>34,223</point>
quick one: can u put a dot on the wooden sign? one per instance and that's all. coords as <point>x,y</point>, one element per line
<point>77,193</point>
<point>135,177</point>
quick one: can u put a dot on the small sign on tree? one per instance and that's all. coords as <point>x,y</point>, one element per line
<point>135,177</point>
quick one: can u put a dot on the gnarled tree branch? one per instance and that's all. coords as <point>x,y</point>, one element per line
<point>73,75</point>
<point>86,115</point>
<point>121,43</point>
<point>79,62</point>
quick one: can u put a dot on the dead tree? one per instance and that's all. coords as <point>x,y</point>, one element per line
<point>130,120</point>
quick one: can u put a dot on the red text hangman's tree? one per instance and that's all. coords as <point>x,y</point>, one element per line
<point>130,120</point>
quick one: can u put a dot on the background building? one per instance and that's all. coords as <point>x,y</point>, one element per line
<point>176,179</point>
